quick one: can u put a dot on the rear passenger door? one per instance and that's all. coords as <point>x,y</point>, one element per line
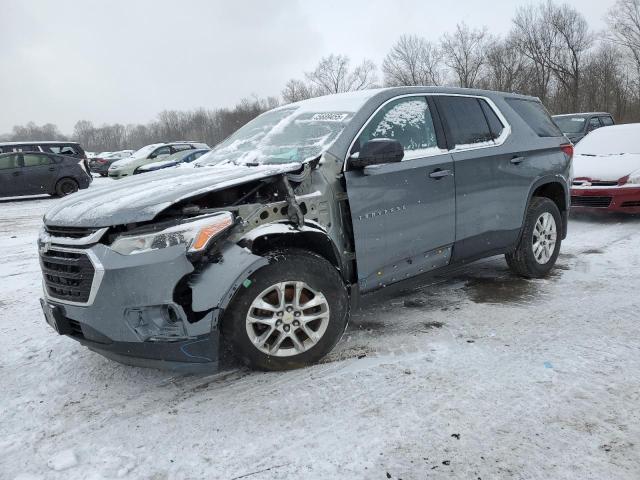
<point>492,181</point>
<point>11,179</point>
<point>40,173</point>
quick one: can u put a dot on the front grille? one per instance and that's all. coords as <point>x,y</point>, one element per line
<point>70,232</point>
<point>596,183</point>
<point>590,201</point>
<point>67,275</point>
<point>634,203</point>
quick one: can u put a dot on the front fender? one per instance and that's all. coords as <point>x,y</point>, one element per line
<point>216,284</point>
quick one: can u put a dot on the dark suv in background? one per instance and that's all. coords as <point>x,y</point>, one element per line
<point>576,125</point>
<point>34,173</point>
<point>269,239</point>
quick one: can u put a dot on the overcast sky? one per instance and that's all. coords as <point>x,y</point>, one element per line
<point>125,61</point>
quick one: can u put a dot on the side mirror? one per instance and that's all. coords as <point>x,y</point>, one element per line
<point>377,152</point>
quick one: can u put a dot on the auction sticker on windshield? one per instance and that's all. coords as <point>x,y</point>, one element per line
<point>329,117</point>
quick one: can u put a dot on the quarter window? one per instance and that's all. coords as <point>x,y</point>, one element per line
<point>466,120</point>
<point>495,125</point>
<point>407,120</point>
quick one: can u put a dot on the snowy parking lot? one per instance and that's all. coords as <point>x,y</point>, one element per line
<point>482,375</point>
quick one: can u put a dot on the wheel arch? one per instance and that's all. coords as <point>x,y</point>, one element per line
<point>554,188</point>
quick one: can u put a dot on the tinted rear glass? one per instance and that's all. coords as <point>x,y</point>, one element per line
<point>536,116</point>
<point>467,122</point>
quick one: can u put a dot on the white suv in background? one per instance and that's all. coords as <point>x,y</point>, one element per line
<point>150,153</point>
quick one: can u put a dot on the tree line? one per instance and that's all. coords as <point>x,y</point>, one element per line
<point>550,52</point>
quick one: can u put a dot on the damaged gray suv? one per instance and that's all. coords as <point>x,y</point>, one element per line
<point>270,239</point>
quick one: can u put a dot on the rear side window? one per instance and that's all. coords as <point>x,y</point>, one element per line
<point>536,116</point>
<point>606,121</point>
<point>179,148</point>
<point>31,160</point>
<point>9,161</point>
<point>61,149</point>
<point>466,120</point>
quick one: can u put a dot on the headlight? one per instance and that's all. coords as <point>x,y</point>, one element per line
<point>634,178</point>
<point>195,235</point>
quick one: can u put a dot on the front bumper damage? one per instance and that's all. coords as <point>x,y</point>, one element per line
<point>136,313</point>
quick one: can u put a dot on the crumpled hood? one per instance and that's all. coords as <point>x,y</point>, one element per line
<point>605,167</point>
<point>142,197</point>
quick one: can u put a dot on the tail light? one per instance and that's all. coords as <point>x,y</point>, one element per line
<point>567,149</point>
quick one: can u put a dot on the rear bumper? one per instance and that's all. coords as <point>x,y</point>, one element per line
<point>606,199</point>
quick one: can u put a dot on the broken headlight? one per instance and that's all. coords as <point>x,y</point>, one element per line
<point>195,235</point>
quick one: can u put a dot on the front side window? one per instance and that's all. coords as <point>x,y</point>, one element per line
<point>9,161</point>
<point>466,120</point>
<point>161,151</point>
<point>31,160</point>
<point>407,120</point>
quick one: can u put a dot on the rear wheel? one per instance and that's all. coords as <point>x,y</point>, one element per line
<point>539,246</point>
<point>288,314</point>
<point>66,186</point>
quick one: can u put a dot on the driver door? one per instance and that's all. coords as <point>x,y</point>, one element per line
<point>403,213</point>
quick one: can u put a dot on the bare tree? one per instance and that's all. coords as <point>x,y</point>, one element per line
<point>624,24</point>
<point>296,90</point>
<point>333,75</point>
<point>535,39</point>
<point>573,41</point>
<point>465,53</point>
<point>506,67</point>
<point>412,61</point>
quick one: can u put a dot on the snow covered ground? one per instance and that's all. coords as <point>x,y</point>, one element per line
<point>483,375</point>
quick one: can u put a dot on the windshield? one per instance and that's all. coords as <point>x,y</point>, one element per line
<point>285,135</point>
<point>570,124</point>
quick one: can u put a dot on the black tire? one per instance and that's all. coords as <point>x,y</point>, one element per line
<point>66,186</point>
<point>103,174</point>
<point>290,265</point>
<point>522,261</point>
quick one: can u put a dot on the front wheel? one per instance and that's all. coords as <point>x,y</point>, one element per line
<point>288,314</point>
<point>539,245</point>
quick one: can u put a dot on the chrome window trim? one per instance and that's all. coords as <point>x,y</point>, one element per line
<point>46,237</point>
<point>98,275</point>
<point>504,135</point>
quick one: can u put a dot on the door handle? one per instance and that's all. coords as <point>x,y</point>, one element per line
<point>517,160</point>
<point>438,173</point>
<point>52,169</point>
<point>15,174</point>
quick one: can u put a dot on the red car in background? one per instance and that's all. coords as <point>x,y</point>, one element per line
<point>606,170</point>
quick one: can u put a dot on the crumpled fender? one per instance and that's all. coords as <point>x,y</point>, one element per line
<point>218,282</point>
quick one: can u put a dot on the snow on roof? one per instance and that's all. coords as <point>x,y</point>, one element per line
<point>613,140</point>
<point>337,102</point>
